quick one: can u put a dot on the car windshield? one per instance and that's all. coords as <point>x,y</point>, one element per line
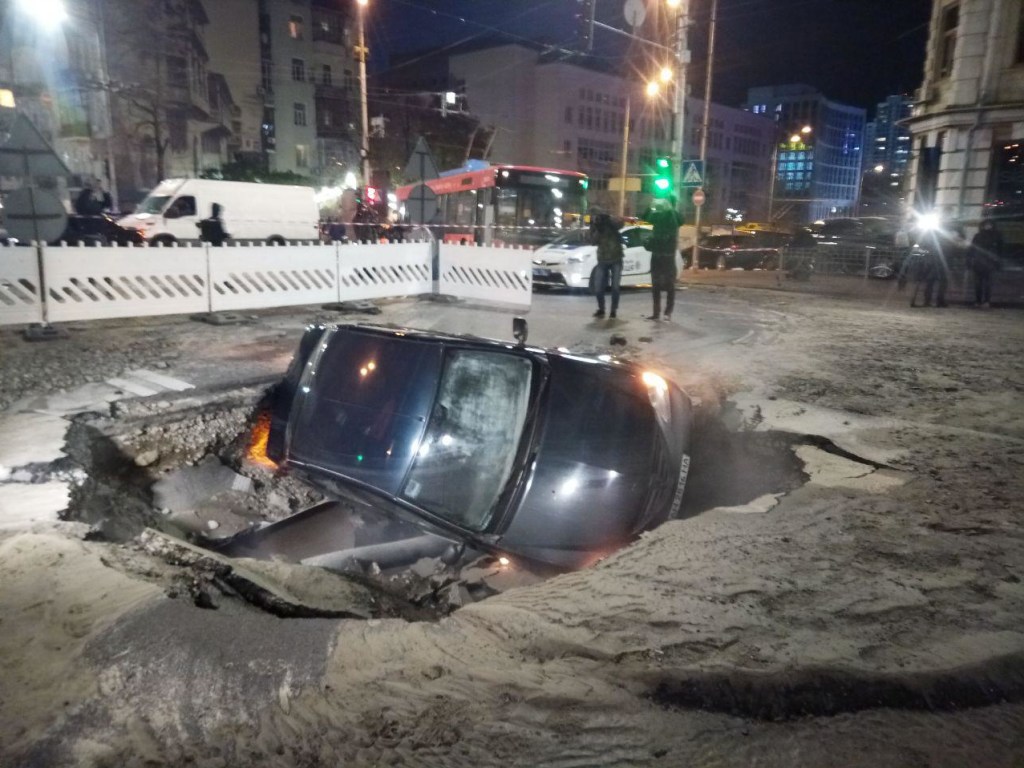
<point>572,239</point>
<point>469,448</point>
<point>153,204</point>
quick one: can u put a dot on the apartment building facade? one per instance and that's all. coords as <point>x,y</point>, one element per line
<point>308,80</point>
<point>968,119</point>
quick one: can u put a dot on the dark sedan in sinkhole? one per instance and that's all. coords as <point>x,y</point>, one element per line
<point>450,442</point>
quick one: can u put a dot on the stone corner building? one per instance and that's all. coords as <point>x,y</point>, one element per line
<point>968,122</point>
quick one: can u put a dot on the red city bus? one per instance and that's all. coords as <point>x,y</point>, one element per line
<point>504,204</point>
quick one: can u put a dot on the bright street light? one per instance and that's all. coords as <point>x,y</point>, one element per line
<point>49,14</point>
<point>666,74</point>
<point>652,88</point>
<point>806,129</point>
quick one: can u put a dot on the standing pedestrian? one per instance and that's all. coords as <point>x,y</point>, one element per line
<point>93,199</point>
<point>983,258</point>
<point>604,232</point>
<point>665,221</point>
<point>211,229</point>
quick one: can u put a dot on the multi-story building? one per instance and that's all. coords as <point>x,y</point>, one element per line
<point>548,111</point>
<point>968,121</point>
<point>819,152</point>
<point>165,123</point>
<point>235,58</point>
<point>308,81</point>
<point>886,158</point>
<point>53,70</point>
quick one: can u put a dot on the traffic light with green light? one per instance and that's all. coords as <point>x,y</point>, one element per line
<point>663,180</point>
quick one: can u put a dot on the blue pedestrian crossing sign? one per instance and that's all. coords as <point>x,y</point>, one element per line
<point>693,173</point>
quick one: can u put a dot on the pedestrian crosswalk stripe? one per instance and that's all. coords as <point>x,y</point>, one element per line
<point>158,378</point>
<point>134,387</point>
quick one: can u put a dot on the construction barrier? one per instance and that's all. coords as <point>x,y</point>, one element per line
<point>94,283</point>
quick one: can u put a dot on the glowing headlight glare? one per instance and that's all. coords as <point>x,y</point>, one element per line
<point>654,381</point>
<point>657,393</point>
<point>570,486</point>
<point>929,221</point>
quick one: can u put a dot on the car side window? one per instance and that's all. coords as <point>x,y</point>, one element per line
<point>634,238</point>
<point>182,206</point>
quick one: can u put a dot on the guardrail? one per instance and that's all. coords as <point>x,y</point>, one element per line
<point>93,283</point>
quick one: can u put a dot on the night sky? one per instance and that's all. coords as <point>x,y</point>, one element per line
<point>855,51</point>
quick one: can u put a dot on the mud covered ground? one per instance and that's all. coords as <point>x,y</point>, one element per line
<point>873,616</point>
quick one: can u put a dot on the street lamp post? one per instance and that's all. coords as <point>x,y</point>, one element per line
<point>706,121</point>
<point>682,57</point>
<point>361,52</point>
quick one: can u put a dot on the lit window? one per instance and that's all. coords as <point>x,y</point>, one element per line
<point>295,27</point>
<point>301,156</point>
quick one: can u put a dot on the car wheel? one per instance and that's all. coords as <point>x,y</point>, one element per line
<point>163,240</point>
<point>275,240</point>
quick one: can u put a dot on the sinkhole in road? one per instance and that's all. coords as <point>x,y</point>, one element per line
<point>190,467</point>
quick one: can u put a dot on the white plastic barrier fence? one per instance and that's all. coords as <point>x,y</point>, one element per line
<point>19,286</point>
<point>255,277</point>
<point>487,273</point>
<point>377,271</point>
<point>98,283</point>
<point>111,282</point>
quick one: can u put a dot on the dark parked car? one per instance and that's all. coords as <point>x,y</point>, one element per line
<point>753,250</point>
<point>97,230</point>
<point>454,442</point>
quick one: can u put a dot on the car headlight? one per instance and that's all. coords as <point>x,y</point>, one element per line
<point>657,392</point>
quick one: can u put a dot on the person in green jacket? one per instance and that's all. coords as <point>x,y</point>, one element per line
<point>662,244</point>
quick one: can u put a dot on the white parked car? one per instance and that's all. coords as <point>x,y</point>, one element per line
<point>570,261</point>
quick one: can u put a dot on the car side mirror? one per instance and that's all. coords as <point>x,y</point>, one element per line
<point>520,330</point>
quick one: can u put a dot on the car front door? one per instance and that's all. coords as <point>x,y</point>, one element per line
<point>636,262</point>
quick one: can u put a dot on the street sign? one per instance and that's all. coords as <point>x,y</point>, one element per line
<point>421,205</point>
<point>698,197</point>
<point>693,173</point>
<point>34,215</point>
<point>421,165</point>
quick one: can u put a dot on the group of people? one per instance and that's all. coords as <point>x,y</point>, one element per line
<point>930,269</point>
<point>662,243</point>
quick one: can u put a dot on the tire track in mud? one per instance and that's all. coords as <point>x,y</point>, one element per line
<point>826,692</point>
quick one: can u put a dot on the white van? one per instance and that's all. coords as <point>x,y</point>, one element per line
<point>270,213</point>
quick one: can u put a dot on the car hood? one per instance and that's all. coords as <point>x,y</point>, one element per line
<point>559,254</point>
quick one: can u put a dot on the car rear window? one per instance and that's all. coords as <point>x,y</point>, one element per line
<point>365,406</point>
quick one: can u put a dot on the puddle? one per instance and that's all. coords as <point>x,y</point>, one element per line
<point>192,468</point>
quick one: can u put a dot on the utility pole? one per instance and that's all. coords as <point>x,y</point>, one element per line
<point>361,52</point>
<point>625,157</point>
<point>706,121</point>
<point>682,57</point>
<point>101,24</point>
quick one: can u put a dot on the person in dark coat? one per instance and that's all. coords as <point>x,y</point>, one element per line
<point>93,200</point>
<point>211,229</point>
<point>662,244</point>
<point>604,233</point>
<point>983,258</point>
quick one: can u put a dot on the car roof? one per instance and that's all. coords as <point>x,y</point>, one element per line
<point>479,342</point>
